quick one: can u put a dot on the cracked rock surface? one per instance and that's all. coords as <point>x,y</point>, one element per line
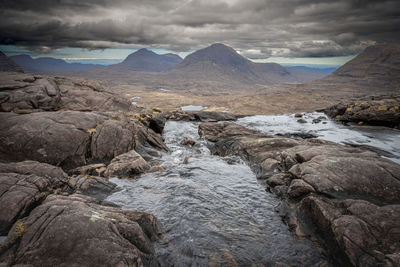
<point>71,138</point>
<point>76,230</point>
<point>26,93</point>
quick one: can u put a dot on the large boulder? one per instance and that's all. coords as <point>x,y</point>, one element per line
<point>25,93</point>
<point>384,112</point>
<point>23,186</point>
<point>77,231</point>
<point>128,164</point>
<point>71,138</point>
<point>58,138</point>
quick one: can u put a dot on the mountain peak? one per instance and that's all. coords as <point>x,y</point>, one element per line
<point>146,60</point>
<point>218,54</point>
<point>7,64</point>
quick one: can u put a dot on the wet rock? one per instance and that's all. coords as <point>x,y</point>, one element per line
<point>203,116</point>
<point>156,168</point>
<point>233,139</point>
<point>301,135</point>
<point>94,186</point>
<point>128,164</point>
<point>268,167</point>
<point>299,188</point>
<point>157,123</point>
<point>76,231</point>
<point>301,121</point>
<point>188,141</point>
<point>218,131</point>
<point>298,115</point>
<point>385,112</point>
<point>23,186</point>
<point>279,179</point>
<point>91,169</point>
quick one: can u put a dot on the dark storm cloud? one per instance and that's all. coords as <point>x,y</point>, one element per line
<point>257,28</point>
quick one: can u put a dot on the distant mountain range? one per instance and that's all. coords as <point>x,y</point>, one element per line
<point>6,64</point>
<point>377,66</point>
<point>48,64</point>
<point>217,62</point>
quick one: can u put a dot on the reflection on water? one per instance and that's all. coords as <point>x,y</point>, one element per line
<point>383,138</point>
<point>211,208</point>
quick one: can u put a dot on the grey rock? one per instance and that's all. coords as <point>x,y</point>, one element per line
<point>128,164</point>
<point>23,186</point>
<point>299,188</point>
<point>76,231</point>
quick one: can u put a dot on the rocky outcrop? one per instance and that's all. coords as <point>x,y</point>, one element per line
<point>128,164</point>
<point>23,186</point>
<point>77,231</point>
<point>204,116</point>
<point>346,196</point>
<point>94,186</point>
<point>71,138</point>
<point>25,93</point>
<point>384,112</point>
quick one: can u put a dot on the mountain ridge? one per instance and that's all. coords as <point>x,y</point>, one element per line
<point>7,64</point>
<point>48,64</point>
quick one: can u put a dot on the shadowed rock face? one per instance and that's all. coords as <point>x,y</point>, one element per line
<point>347,196</point>
<point>384,112</point>
<point>71,138</point>
<point>24,93</point>
<point>6,64</point>
<point>76,231</point>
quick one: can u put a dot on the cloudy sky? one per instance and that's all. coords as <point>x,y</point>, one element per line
<point>263,30</point>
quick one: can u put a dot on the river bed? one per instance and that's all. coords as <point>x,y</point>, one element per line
<point>213,209</point>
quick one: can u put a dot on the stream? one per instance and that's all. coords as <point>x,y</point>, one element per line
<point>213,209</point>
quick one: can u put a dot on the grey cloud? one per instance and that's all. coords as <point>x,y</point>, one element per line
<point>257,28</point>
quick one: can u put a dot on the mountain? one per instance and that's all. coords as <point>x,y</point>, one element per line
<point>220,62</point>
<point>6,64</point>
<point>48,64</point>
<point>377,66</point>
<point>310,69</point>
<point>147,61</point>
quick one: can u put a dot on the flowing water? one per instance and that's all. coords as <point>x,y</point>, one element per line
<point>211,209</point>
<point>382,138</point>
